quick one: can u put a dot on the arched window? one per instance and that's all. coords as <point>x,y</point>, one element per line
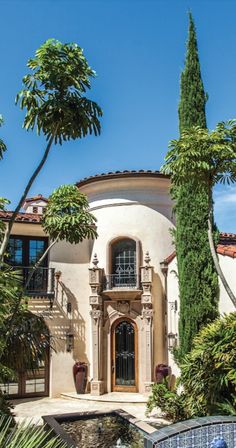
<point>124,263</point>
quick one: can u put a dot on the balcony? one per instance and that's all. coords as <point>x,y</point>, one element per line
<point>42,282</point>
<point>122,286</point>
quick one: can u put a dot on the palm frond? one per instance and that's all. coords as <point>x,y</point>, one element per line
<point>26,436</point>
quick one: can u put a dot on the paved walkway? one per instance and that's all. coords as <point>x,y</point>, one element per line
<point>111,397</point>
<point>32,409</point>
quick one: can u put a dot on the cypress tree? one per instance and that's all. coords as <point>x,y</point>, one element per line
<point>198,282</point>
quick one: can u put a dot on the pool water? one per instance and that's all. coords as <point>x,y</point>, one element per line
<point>104,432</point>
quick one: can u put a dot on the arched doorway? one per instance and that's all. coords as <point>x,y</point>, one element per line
<point>124,368</point>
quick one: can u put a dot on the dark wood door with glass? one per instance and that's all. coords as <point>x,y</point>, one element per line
<point>124,357</point>
<point>29,384</point>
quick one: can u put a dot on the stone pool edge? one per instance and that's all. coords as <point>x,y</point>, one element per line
<point>52,422</point>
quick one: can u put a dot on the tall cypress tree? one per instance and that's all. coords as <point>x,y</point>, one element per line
<point>198,282</point>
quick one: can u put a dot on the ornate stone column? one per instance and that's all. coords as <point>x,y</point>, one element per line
<point>147,315</point>
<point>95,300</point>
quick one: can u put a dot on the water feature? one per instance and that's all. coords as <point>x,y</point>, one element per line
<point>106,431</point>
<point>117,429</point>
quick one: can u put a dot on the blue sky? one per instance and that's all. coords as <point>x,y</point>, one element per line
<point>137,48</point>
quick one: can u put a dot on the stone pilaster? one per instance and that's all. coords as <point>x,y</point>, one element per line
<point>147,315</point>
<point>95,300</point>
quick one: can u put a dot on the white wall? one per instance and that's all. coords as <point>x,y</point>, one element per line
<point>228,266</point>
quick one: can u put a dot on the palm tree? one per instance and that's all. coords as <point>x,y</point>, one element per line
<point>55,103</point>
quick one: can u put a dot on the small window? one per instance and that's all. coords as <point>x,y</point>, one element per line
<point>35,209</point>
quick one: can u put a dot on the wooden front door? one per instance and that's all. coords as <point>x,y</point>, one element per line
<point>124,357</point>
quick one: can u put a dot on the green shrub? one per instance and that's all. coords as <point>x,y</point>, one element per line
<point>170,402</point>
<point>208,373</point>
<point>208,376</point>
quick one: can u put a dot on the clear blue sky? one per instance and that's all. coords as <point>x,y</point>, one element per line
<point>137,48</point>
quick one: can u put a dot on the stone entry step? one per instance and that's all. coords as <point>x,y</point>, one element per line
<point>112,397</point>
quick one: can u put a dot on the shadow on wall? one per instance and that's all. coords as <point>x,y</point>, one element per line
<point>160,350</point>
<point>67,320</point>
<point>64,252</point>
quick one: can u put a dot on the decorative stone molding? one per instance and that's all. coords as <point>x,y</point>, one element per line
<point>95,277</point>
<point>95,300</point>
<point>147,315</point>
<point>96,313</point>
<point>146,273</point>
<point>123,307</point>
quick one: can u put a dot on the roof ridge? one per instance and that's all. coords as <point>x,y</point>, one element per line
<point>121,173</point>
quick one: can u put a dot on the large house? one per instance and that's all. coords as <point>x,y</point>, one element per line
<point>112,302</point>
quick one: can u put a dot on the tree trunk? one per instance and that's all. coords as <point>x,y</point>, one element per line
<point>22,199</point>
<point>215,258</point>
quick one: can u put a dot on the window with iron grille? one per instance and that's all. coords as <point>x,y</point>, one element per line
<point>124,262</point>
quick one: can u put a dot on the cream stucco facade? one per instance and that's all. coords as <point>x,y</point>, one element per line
<point>228,266</point>
<point>131,206</point>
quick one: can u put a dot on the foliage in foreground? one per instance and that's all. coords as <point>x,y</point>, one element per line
<point>55,103</point>
<point>169,401</point>
<point>30,436</point>
<point>24,337</point>
<point>208,376</point>
<point>67,216</point>
<point>208,372</point>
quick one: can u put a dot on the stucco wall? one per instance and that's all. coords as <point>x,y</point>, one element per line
<point>228,266</point>
<point>73,287</point>
<point>138,209</point>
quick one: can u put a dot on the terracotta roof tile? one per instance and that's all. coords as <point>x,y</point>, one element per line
<point>229,251</point>
<point>227,238</point>
<point>120,174</point>
<point>22,217</point>
<point>226,246</point>
<point>38,197</point>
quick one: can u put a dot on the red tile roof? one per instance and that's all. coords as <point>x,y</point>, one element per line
<point>224,249</point>
<point>226,246</point>
<point>227,238</point>
<point>22,217</point>
<point>121,174</point>
<point>38,197</point>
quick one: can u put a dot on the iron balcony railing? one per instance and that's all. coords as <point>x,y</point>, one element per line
<point>40,284</point>
<point>124,281</point>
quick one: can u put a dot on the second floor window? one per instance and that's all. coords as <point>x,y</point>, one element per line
<point>124,262</point>
<point>26,251</point>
